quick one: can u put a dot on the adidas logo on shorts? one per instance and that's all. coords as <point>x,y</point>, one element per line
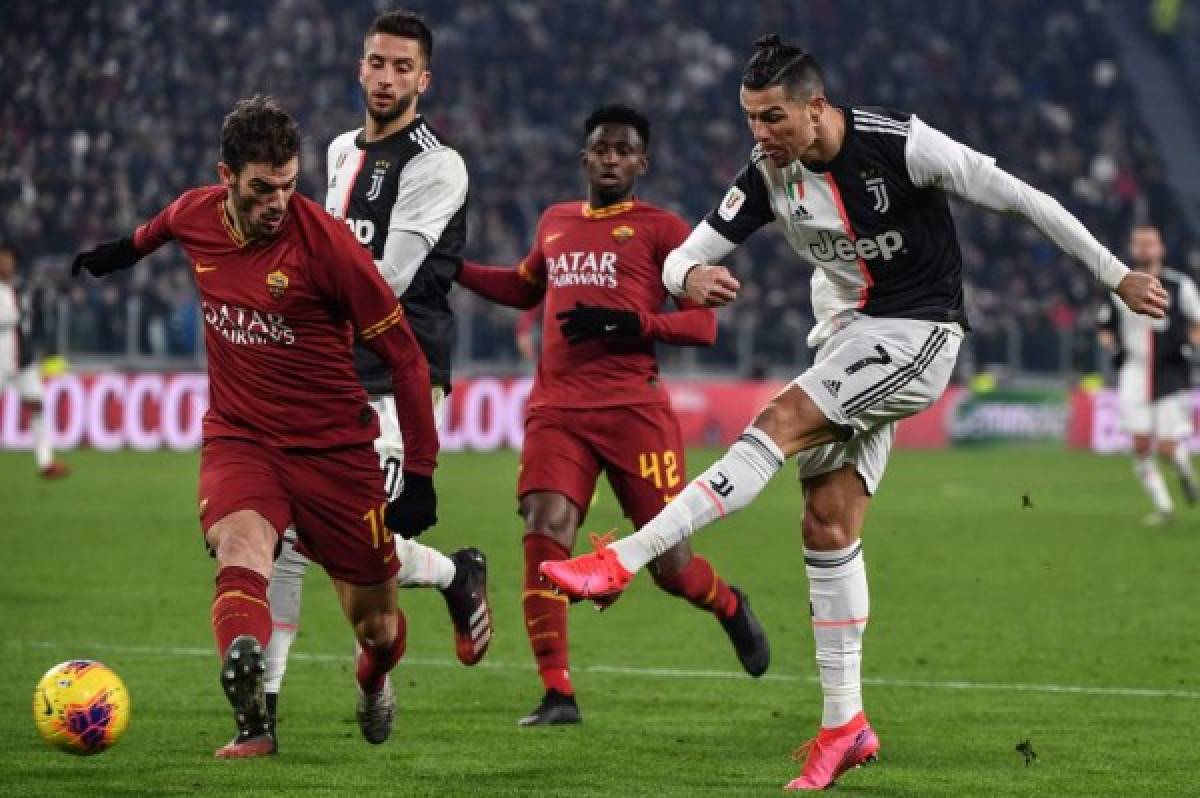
<point>833,386</point>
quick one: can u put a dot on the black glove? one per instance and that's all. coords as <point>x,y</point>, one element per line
<point>590,323</point>
<point>106,258</point>
<point>415,509</point>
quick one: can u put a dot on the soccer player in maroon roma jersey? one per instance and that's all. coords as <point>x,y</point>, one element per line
<point>288,434</point>
<point>597,403</point>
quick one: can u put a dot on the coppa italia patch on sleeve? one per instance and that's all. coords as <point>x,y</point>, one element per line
<point>732,203</point>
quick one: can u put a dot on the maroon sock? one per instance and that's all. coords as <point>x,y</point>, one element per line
<point>375,664</point>
<point>240,607</point>
<point>546,614</point>
<point>699,583</point>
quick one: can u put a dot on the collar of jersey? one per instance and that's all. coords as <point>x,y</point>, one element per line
<point>238,239</point>
<point>608,211</point>
<point>361,142</point>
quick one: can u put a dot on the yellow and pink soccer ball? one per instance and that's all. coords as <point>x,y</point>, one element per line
<point>81,707</point>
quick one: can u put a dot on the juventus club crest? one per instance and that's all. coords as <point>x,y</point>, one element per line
<point>377,175</point>
<point>879,194</point>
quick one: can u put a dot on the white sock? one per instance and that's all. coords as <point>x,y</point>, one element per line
<point>728,485</point>
<point>1182,460</point>
<point>837,590</point>
<point>421,566</point>
<point>284,593</point>
<point>1151,479</point>
<point>43,450</point>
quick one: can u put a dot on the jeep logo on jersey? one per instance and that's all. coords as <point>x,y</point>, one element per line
<point>878,190</point>
<point>363,229</point>
<point>884,245</point>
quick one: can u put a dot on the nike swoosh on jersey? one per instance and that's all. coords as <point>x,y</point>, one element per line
<point>551,237</point>
<point>201,268</point>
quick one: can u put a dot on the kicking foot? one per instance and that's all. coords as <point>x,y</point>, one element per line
<point>555,709</point>
<point>748,636</point>
<point>598,575</point>
<point>242,680</point>
<point>376,712</point>
<point>834,751</point>
<point>467,601</point>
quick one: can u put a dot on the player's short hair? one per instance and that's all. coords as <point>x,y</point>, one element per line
<point>258,130</point>
<point>10,248</point>
<point>1150,226</point>
<point>407,25</point>
<point>779,63</point>
<point>619,115</point>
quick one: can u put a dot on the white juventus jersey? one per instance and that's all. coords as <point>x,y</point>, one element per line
<point>409,182</point>
<point>877,232</point>
<point>1155,353</point>
<point>10,317</point>
<point>874,222</point>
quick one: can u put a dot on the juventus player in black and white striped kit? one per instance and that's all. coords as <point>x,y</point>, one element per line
<point>1154,374</point>
<point>861,194</point>
<point>403,192</point>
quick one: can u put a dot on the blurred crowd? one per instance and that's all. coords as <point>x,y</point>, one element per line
<point>113,108</point>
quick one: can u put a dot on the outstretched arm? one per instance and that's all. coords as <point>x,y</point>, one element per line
<point>123,253</point>
<point>517,288</point>
<point>935,159</point>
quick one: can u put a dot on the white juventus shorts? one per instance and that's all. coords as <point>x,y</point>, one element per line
<point>390,444</point>
<point>868,375</point>
<point>27,381</point>
<point>1166,419</point>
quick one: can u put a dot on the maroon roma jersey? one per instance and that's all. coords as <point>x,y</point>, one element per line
<point>612,257</point>
<point>279,319</point>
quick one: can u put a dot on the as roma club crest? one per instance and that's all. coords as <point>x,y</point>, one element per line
<point>622,234</point>
<point>277,283</point>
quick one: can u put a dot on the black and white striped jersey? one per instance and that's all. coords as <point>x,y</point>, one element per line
<point>1155,354</point>
<point>410,181</point>
<point>874,222</point>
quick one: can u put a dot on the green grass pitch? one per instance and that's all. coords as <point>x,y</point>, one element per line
<point>1066,624</point>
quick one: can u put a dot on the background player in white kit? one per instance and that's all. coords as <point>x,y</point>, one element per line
<point>20,370</point>
<point>1154,373</point>
<point>861,196</point>
<point>403,193</point>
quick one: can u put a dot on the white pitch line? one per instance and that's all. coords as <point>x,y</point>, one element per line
<point>657,673</point>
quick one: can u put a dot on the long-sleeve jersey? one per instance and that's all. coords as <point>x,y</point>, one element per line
<point>610,257</point>
<point>875,224</point>
<point>280,318</point>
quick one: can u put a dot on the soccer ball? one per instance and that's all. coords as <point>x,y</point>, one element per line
<point>81,707</point>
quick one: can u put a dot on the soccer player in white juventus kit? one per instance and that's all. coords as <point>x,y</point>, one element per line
<point>861,196</point>
<point>1154,374</point>
<point>20,370</point>
<point>403,193</point>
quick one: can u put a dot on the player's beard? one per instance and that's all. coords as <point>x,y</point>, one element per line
<point>243,206</point>
<point>384,118</point>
